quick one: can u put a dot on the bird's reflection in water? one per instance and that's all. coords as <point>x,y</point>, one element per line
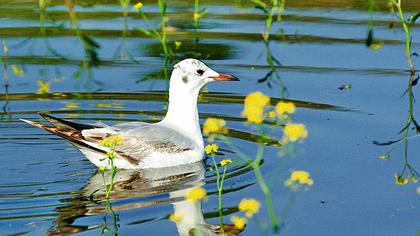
<point>141,188</point>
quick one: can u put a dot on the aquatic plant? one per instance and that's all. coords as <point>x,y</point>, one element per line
<point>257,110</point>
<point>408,172</point>
<point>211,150</point>
<point>273,10</point>
<point>158,34</point>
<point>3,61</point>
<point>90,49</point>
<point>122,53</point>
<point>111,143</point>
<point>407,25</point>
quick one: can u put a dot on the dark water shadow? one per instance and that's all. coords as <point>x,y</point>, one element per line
<point>135,189</point>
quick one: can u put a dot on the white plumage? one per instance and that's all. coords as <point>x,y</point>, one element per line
<point>175,140</point>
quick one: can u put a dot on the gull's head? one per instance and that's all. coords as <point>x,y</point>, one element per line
<point>191,74</point>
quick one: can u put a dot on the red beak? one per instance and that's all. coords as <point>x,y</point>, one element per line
<point>225,77</point>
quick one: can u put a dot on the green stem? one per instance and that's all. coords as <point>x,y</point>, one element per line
<point>111,157</point>
<point>196,6</point>
<point>4,62</point>
<point>219,189</point>
<point>241,154</point>
<point>406,28</point>
<point>162,9</point>
<point>408,123</point>
<point>265,189</point>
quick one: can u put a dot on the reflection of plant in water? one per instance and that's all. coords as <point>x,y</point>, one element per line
<point>370,40</point>
<point>159,35</point>
<point>198,13</point>
<point>90,48</point>
<point>114,216</point>
<point>258,110</point>
<point>4,63</point>
<point>3,60</point>
<point>122,52</point>
<point>273,11</point>
<point>408,172</point>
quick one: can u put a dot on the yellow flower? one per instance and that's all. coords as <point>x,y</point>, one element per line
<point>401,180</point>
<point>225,162</point>
<point>116,105</point>
<point>214,125</point>
<point>301,177</point>
<point>196,15</point>
<point>111,141</point>
<point>211,148</point>
<point>138,6</point>
<point>17,70</point>
<point>249,206</point>
<point>413,179</point>
<point>196,194</point>
<point>44,87</point>
<point>384,157</point>
<point>271,114</point>
<point>178,44</point>
<point>175,218</point>
<point>285,107</point>
<point>239,222</point>
<point>71,105</point>
<point>254,105</point>
<point>293,132</point>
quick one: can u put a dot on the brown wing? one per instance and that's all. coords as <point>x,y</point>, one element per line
<point>73,132</point>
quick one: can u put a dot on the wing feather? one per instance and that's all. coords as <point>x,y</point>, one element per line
<point>141,139</point>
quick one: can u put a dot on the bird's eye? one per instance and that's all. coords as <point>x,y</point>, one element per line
<point>200,71</point>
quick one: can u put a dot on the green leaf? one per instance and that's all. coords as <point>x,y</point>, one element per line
<point>259,3</point>
<point>89,41</point>
<point>203,11</point>
<point>145,31</point>
<point>386,143</point>
<point>413,19</point>
<point>369,39</point>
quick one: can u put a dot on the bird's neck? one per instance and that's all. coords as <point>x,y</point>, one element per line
<point>182,114</point>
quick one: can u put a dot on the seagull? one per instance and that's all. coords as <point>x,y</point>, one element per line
<point>175,140</point>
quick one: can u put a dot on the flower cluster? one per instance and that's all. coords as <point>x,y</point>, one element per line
<point>196,194</point>
<point>211,148</point>
<point>298,179</point>
<point>400,180</point>
<point>294,132</point>
<point>213,125</point>
<point>284,108</point>
<point>248,205</point>
<point>225,162</point>
<point>112,141</point>
<point>254,107</point>
<point>43,87</point>
<point>138,6</point>
<point>238,221</point>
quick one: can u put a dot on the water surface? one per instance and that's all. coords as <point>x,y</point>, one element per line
<point>46,183</point>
